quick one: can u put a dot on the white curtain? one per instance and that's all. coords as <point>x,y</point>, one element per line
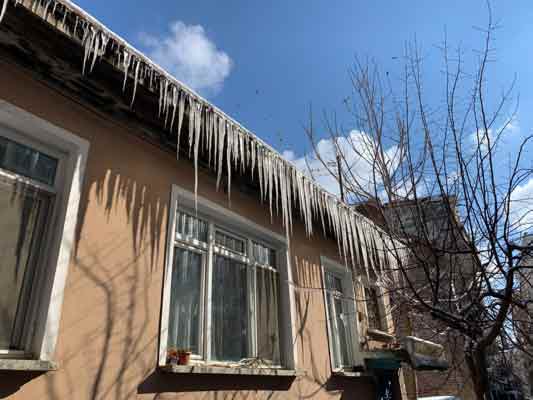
<point>20,213</point>
<point>185,300</point>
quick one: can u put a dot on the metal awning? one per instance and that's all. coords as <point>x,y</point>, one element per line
<point>424,355</point>
<point>421,354</point>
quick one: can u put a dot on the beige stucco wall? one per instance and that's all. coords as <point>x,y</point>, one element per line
<point>107,345</point>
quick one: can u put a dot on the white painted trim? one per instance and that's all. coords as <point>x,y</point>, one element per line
<point>227,217</point>
<point>48,292</point>
<point>347,280</point>
<point>216,214</point>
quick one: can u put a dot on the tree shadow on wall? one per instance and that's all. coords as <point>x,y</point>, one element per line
<point>120,332</point>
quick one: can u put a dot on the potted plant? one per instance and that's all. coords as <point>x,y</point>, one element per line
<point>184,356</point>
<point>172,356</point>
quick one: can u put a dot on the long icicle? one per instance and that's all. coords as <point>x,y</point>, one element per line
<point>3,10</point>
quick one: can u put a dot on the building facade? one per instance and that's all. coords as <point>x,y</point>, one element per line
<point>123,246</point>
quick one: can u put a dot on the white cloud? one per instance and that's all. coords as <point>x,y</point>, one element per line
<point>187,53</point>
<point>506,131</point>
<point>355,149</point>
<point>522,206</point>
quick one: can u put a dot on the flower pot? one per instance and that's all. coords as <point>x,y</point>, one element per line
<point>184,358</point>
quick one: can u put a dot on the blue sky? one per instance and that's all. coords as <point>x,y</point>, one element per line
<point>264,62</point>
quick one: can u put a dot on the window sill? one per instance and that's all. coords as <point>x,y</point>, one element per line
<point>219,370</point>
<point>349,374</point>
<point>27,365</point>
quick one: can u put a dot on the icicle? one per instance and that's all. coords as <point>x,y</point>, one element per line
<point>270,180</point>
<point>3,10</point>
<point>230,154</point>
<point>64,20</point>
<point>235,150</point>
<point>45,10</point>
<point>126,65</point>
<point>192,111</point>
<point>181,111</point>
<point>289,187</point>
<point>95,46</point>
<point>215,134</point>
<point>253,155</point>
<point>135,80</point>
<point>220,151</point>
<point>89,37</point>
<point>174,106</point>
<point>75,31</point>
<point>209,133</point>
<point>242,150</point>
<point>274,182</point>
<point>248,147</point>
<point>197,129</point>
<point>260,172</point>
<point>165,101</point>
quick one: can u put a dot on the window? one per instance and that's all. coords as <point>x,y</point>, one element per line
<point>224,294</point>
<point>24,210</point>
<point>376,319</point>
<point>341,314</point>
<point>373,312</point>
<point>41,171</point>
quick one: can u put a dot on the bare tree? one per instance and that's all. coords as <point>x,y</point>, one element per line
<point>440,181</point>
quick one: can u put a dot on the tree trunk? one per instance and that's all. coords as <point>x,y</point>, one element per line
<point>477,364</point>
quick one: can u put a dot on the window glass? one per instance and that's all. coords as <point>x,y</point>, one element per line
<point>26,161</point>
<point>263,254</point>
<point>230,242</point>
<point>333,283</point>
<point>237,297</point>
<point>267,315</point>
<point>341,321</point>
<point>191,227</point>
<point>372,307</point>
<point>183,331</point>
<point>229,340</point>
<point>21,215</point>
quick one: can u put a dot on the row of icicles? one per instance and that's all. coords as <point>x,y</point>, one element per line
<point>227,142</point>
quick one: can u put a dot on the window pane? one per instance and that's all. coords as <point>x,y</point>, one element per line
<point>229,339</point>
<point>341,312</point>
<point>20,216</point>
<point>26,161</point>
<point>231,243</point>
<point>267,315</point>
<point>185,295</point>
<point>191,227</point>
<point>264,255</point>
<point>333,282</point>
<point>372,307</point>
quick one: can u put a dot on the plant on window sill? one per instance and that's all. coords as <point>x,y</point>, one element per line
<point>178,356</point>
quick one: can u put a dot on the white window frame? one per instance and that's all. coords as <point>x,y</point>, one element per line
<point>224,220</point>
<point>344,273</point>
<point>43,315</point>
<point>384,314</point>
